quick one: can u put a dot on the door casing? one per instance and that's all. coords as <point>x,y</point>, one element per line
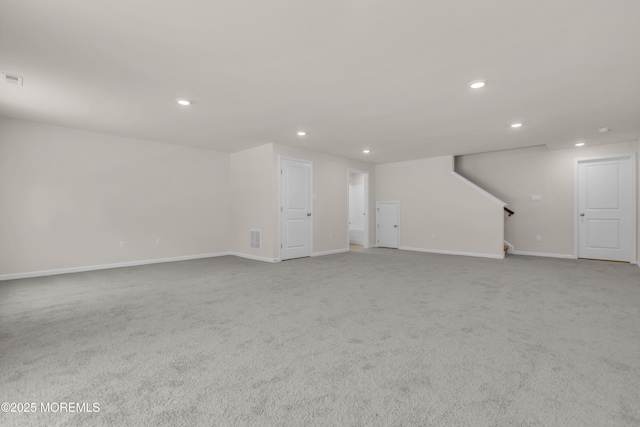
<point>366,205</point>
<point>280,195</point>
<point>397,203</point>
<point>634,192</point>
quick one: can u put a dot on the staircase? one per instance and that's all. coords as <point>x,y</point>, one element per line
<point>509,213</point>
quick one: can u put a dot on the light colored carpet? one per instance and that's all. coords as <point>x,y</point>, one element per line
<point>373,338</point>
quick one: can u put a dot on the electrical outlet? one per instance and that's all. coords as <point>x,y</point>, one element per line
<point>433,235</point>
<point>122,243</point>
<point>331,235</point>
<point>158,242</point>
<point>538,238</point>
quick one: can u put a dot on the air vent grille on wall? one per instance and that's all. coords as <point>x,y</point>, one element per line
<point>13,79</point>
<point>254,239</point>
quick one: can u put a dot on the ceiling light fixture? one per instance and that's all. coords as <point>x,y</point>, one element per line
<point>183,102</point>
<point>579,144</point>
<point>604,130</point>
<point>301,133</point>
<point>477,84</point>
<point>366,151</point>
<point>516,125</point>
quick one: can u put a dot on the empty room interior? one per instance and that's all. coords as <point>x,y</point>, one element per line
<point>337,213</point>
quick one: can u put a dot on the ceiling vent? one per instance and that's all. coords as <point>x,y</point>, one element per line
<point>12,79</point>
<point>254,239</point>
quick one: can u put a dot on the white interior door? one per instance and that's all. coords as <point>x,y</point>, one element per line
<point>387,215</point>
<point>296,209</point>
<point>606,211</point>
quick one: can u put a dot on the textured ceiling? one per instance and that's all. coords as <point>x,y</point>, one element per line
<point>387,75</point>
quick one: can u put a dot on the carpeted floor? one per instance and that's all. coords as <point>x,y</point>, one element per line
<point>373,338</point>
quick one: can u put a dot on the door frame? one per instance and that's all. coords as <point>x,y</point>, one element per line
<point>397,202</point>
<point>634,192</point>
<point>279,207</point>
<point>366,206</point>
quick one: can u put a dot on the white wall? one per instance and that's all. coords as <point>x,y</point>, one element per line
<point>515,175</point>
<point>253,201</point>
<point>439,212</point>
<point>68,197</point>
<point>330,187</point>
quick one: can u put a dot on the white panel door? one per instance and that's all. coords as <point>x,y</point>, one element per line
<point>605,208</point>
<point>387,215</point>
<point>296,199</point>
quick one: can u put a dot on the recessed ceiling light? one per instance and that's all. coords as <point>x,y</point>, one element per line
<point>516,125</point>
<point>604,130</point>
<point>579,144</point>
<point>183,102</point>
<point>301,133</point>
<point>366,151</point>
<point>477,84</point>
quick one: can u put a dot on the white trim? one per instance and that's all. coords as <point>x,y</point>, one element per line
<point>310,162</point>
<point>544,254</point>
<point>335,251</point>
<point>512,250</point>
<point>397,202</point>
<point>366,241</point>
<point>444,252</point>
<point>482,191</point>
<point>253,257</point>
<point>634,191</point>
<point>107,266</point>
<point>511,247</point>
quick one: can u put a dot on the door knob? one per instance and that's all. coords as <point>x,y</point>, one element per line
<point>581,214</point>
<point>309,214</point>
<point>395,226</point>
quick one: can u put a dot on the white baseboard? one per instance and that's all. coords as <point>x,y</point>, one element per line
<point>444,252</point>
<point>543,254</point>
<point>511,248</point>
<point>335,251</point>
<point>253,257</point>
<point>106,266</point>
<point>546,255</point>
